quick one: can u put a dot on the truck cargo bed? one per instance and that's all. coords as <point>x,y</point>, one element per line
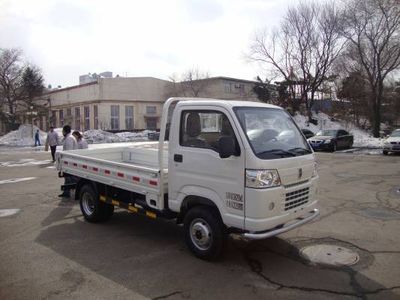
<point>134,168</point>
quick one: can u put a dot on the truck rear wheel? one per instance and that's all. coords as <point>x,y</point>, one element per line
<point>92,209</point>
<point>204,233</point>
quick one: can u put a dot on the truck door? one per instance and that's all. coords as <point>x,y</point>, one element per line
<point>195,167</point>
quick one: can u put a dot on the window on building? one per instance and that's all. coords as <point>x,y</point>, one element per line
<point>77,118</point>
<point>114,117</point>
<point>69,112</point>
<point>129,117</point>
<point>239,88</point>
<point>151,123</point>
<point>86,111</point>
<point>96,116</point>
<point>151,110</point>
<point>53,120</point>
<point>61,115</point>
<point>228,87</point>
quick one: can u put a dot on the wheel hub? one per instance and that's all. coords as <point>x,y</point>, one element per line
<point>87,204</point>
<point>201,234</point>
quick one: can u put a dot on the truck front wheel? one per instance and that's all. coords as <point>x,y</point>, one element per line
<point>92,209</point>
<point>204,232</point>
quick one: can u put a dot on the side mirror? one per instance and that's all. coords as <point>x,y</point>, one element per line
<point>226,146</point>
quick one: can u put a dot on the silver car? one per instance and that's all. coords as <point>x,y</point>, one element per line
<point>392,143</point>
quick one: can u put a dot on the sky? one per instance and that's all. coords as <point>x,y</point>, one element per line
<point>157,38</point>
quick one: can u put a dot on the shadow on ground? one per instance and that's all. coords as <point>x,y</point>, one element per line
<point>150,258</point>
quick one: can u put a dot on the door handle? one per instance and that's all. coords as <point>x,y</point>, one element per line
<point>178,157</point>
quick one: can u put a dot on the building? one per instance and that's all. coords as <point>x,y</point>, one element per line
<point>225,88</point>
<point>127,103</point>
<point>113,104</point>
<point>132,103</point>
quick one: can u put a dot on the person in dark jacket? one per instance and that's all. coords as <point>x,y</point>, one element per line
<point>37,138</point>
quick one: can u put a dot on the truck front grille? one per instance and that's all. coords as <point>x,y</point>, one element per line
<point>296,198</point>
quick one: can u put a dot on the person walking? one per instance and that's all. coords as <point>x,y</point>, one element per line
<point>52,142</point>
<point>82,144</point>
<point>69,143</point>
<point>37,138</point>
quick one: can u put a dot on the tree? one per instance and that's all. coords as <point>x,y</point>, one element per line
<point>192,83</point>
<point>20,85</point>
<point>32,83</point>
<point>302,50</point>
<point>32,88</point>
<point>263,90</point>
<point>11,70</point>
<point>391,103</point>
<point>372,28</point>
<point>354,91</point>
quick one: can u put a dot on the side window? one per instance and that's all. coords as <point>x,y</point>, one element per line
<point>203,129</point>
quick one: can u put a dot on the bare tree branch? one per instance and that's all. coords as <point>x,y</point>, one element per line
<point>302,49</point>
<point>372,28</point>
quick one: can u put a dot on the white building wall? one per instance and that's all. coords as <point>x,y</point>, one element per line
<point>82,93</point>
<point>138,89</point>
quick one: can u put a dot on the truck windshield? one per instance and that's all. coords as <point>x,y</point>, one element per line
<point>271,132</point>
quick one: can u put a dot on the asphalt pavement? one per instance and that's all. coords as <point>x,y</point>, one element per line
<point>47,250</point>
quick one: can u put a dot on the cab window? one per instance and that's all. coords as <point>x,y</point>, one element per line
<point>203,129</point>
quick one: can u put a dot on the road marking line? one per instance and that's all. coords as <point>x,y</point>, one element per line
<point>8,212</point>
<point>24,162</point>
<point>15,180</point>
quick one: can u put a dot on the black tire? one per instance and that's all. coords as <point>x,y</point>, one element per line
<point>385,152</point>
<point>93,210</point>
<point>198,221</point>
<point>334,147</point>
<point>351,145</point>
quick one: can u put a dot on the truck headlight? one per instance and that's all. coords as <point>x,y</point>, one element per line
<point>262,179</point>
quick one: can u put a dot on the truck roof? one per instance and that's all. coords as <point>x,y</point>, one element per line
<point>229,103</point>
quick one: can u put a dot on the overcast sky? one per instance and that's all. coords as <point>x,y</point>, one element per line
<point>68,38</point>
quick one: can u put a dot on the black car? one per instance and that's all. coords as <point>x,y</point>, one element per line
<point>153,136</point>
<point>307,133</point>
<point>331,140</point>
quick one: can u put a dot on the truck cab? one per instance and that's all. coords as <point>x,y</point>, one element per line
<point>248,160</point>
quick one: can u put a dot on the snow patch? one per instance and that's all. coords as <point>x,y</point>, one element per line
<point>361,137</point>
<point>22,137</point>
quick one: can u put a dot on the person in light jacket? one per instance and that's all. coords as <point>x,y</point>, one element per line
<point>69,143</point>
<point>82,144</point>
<point>52,141</point>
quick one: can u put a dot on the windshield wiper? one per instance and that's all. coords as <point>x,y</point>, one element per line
<point>280,152</point>
<point>298,149</point>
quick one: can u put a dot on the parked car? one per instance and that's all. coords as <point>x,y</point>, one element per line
<point>331,140</point>
<point>153,136</point>
<point>392,143</point>
<point>307,133</point>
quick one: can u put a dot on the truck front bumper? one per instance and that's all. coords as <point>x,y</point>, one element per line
<point>286,227</point>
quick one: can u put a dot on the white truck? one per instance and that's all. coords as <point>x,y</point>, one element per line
<point>219,167</point>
